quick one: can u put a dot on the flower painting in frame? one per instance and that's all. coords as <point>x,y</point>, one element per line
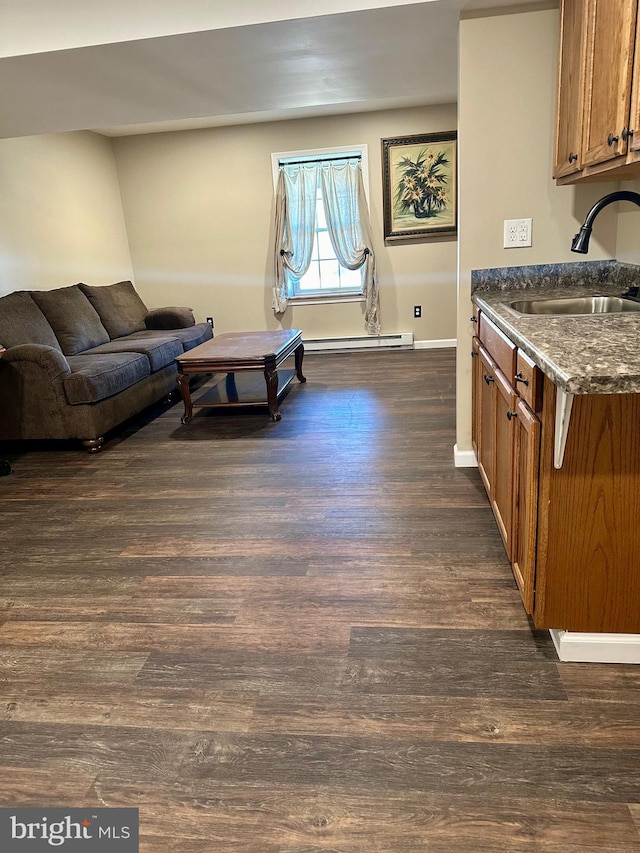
<point>419,186</point>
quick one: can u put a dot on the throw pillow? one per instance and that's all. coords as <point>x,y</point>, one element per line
<point>72,317</point>
<point>120,308</point>
<point>22,322</point>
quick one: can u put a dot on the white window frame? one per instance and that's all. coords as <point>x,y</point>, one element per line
<point>311,154</point>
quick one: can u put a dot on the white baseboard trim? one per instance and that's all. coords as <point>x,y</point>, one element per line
<point>464,458</point>
<point>401,339</point>
<point>596,648</point>
<point>442,344</point>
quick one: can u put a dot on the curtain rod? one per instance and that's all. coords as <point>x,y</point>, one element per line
<point>285,162</point>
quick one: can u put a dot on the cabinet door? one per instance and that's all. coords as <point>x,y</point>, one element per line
<point>634,117</point>
<point>609,53</point>
<point>525,501</point>
<point>476,379</point>
<point>573,31</point>
<point>504,438</point>
<point>486,418</point>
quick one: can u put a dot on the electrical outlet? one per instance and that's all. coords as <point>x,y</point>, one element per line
<point>517,233</point>
<point>417,310</point>
<point>210,321</point>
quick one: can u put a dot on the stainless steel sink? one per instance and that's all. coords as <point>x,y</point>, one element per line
<point>578,305</point>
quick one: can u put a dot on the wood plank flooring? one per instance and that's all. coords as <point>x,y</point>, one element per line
<point>297,637</point>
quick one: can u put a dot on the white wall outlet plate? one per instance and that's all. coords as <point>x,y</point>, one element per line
<point>517,233</point>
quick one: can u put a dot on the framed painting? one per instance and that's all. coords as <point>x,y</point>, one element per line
<point>419,186</point>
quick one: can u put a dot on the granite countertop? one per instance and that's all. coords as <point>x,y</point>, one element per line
<point>586,354</point>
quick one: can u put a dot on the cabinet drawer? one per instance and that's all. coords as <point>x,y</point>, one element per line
<point>528,381</point>
<point>501,349</point>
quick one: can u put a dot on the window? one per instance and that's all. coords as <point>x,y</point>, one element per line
<point>325,277</point>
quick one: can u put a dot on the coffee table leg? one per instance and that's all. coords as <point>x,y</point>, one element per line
<point>230,388</point>
<point>299,355</point>
<point>271,377</point>
<point>185,392</point>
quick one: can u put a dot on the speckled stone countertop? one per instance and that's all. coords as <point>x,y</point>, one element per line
<point>585,354</point>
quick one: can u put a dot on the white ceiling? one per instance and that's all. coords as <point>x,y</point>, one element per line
<point>399,53</point>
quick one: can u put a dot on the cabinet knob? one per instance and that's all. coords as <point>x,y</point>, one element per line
<point>474,354</point>
<point>511,415</point>
<point>488,379</point>
<point>627,133</point>
<point>573,158</point>
<point>520,378</point>
<point>473,319</point>
<point>611,139</point>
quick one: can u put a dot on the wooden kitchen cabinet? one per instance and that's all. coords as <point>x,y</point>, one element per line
<point>568,149</point>
<point>598,100</point>
<point>495,428</point>
<point>571,532</point>
<point>525,501</point>
<point>501,496</point>
<point>485,432</point>
<point>610,40</point>
<point>588,541</point>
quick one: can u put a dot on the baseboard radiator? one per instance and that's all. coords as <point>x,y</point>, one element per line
<point>402,339</point>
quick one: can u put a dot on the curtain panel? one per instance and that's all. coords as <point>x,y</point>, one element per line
<point>349,229</point>
<point>295,227</point>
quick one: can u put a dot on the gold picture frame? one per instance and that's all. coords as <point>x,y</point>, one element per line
<point>419,186</point>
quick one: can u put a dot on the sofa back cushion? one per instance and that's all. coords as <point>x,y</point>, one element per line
<point>22,322</point>
<point>72,317</point>
<point>120,308</point>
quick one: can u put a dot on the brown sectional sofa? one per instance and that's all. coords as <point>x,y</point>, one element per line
<point>80,360</point>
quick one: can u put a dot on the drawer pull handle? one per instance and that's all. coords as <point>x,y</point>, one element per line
<point>520,378</point>
<point>511,415</point>
<point>488,379</point>
<point>611,139</point>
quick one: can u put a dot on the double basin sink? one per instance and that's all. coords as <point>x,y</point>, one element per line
<point>577,305</point>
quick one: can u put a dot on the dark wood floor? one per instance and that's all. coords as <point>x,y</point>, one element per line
<point>298,637</point>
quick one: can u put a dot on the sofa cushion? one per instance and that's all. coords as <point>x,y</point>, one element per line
<point>22,322</point>
<point>169,318</point>
<point>119,306</point>
<point>190,338</point>
<point>95,377</point>
<point>160,351</point>
<point>72,317</point>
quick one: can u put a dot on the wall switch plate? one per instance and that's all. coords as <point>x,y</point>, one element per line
<point>517,233</point>
<point>417,310</point>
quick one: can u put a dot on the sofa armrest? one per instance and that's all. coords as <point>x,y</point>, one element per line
<point>49,359</point>
<point>32,397</point>
<point>173,317</point>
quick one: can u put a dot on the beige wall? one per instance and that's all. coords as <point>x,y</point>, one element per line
<point>628,234</point>
<point>506,120</point>
<point>61,216</point>
<point>199,207</point>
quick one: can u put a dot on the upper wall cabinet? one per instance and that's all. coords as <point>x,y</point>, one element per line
<point>598,92</point>
<point>570,89</point>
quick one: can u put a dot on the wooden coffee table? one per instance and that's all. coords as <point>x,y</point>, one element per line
<point>236,353</point>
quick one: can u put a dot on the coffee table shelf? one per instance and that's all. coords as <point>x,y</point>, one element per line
<point>241,390</point>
